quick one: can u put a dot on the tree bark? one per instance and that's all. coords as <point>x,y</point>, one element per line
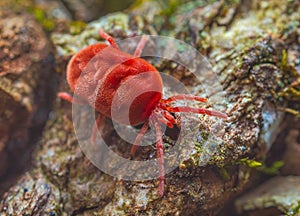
<point>26,77</point>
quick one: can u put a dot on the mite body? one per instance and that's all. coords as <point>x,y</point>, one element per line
<point>105,77</point>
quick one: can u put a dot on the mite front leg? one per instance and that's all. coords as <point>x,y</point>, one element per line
<point>160,158</point>
<point>197,110</point>
<point>184,97</point>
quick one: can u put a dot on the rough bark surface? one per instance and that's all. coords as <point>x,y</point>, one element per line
<point>25,70</point>
<point>256,65</point>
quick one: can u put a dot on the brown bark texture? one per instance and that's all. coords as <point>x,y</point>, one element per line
<point>25,91</point>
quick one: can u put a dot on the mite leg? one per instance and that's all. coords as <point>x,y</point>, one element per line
<point>163,116</point>
<point>197,110</point>
<point>169,117</point>
<point>141,45</point>
<point>163,120</point>
<point>139,137</point>
<point>95,128</point>
<point>109,38</point>
<point>184,97</point>
<point>70,98</point>
<point>160,158</point>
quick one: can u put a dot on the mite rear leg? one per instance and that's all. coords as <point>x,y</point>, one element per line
<point>139,138</point>
<point>96,128</point>
<point>66,96</point>
<point>109,38</point>
<point>141,45</point>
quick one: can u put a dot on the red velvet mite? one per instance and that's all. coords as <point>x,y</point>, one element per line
<point>103,76</point>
